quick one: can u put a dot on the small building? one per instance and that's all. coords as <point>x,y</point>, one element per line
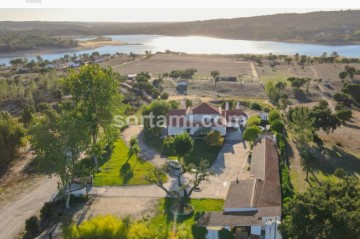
<point>252,207</point>
<point>202,118</point>
<point>131,76</point>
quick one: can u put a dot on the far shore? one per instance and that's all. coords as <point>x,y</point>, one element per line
<point>82,46</point>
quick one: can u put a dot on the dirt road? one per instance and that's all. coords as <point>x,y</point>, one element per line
<point>27,203</point>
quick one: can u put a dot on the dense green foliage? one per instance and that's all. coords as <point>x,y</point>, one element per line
<point>31,40</point>
<point>183,145</point>
<point>253,121</point>
<point>32,227</point>
<point>251,133</point>
<point>184,74</point>
<point>11,133</point>
<point>330,210</point>
<point>323,117</point>
<point>214,139</point>
<point>353,90</point>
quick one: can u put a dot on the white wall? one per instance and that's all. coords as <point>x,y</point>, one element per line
<point>255,230</point>
<point>180,130</point>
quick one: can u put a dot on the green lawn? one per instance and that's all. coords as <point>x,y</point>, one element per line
<point>116,170</point>
<point>274,76</point>
<point>201,151</point>
<point>164,216</point>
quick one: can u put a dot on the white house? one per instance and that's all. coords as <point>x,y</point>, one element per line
<point>202,118</point>
<point>252,207</point>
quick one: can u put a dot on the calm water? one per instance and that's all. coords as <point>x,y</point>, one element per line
<point>204,45</point>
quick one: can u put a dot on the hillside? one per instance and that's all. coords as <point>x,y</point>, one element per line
<point>336,27</point>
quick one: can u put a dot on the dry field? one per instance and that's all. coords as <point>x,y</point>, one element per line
<point>161,63</point>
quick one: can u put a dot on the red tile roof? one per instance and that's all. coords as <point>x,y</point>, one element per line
<point>205,108</point>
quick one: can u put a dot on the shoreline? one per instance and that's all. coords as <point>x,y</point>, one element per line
<point>82,46</point>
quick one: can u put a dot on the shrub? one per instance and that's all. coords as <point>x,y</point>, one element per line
<point>255,106</point>
<point>274,115</point>
<point>251,133</point>
<point>188,103</point>
<point>32,226</point>
<point>214,138</point>
<point>168,145</point>
<point>253,121</point>
<point>225,234</point>
<point>174,104</point>
<point>164,96</point>
<point>199,232</point>
<point>99,227</point>
<point>343,98</point>
<point>48,211</point>
<point>277,126</point>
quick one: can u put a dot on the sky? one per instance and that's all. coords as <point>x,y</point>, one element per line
<point>141,14</point>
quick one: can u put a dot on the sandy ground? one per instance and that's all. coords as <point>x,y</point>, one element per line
<point>22,195</point>
<point>24,205</point>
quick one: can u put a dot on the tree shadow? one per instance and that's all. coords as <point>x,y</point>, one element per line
<point>300,96</point>
<point>126,173</point>
<point>329,159</point>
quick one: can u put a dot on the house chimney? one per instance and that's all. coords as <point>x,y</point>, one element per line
<point>226,106</point>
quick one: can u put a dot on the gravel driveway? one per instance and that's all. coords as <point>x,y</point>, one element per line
<point>24,205</point>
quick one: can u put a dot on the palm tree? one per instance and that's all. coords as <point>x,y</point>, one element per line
<point>214,75</point>
<point>134,148</point>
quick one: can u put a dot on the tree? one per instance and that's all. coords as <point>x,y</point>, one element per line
<point>183,145</point>
<point>188,103</point>
<point>185,186</point>
<point>324,211</point>
<point>272,92</point>
<point>353,90</point>
<point>11,134</point>
<point>253,121</point>
<point>343,98</point>
<point>343,75</point>
<point>297,82</point>
<point>133,55</point>
<point>277,126</point>
<point>351,71</point>
<point>215,75</point>
<point>343,113</point>
<point>164,96</point>
<point>214,139</point>
<point>26,114</point>
<point>155,117</point>
<point>323,118</point>
<point>274,115</point>
<point>281,85</point>
<point>96,97</point>
<point>251,133</point>
<point>58,141</point>
<point>302,124</point>
<point>288,60</point>
<point>318,81</point>
<point>134,148</point>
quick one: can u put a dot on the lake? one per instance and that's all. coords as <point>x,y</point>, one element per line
<point>203,45</point>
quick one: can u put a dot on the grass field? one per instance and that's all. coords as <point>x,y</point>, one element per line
<point>118,170</point>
